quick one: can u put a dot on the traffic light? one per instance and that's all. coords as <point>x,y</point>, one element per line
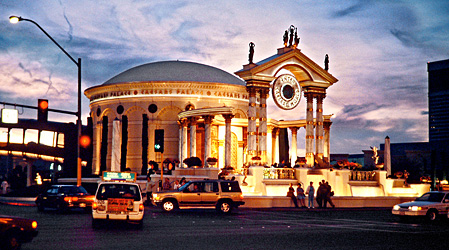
<point>85,141</point>
<point>159,140</point>
<point>42,110</point>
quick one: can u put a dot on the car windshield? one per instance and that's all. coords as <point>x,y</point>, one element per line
<point>73,190</point>
<point>116,190</point>
<point>433,197</point>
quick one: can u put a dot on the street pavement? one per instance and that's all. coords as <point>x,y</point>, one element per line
<point>280,228</point>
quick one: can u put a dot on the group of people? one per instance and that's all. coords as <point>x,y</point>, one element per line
<point>323,195</point>
<point>151,186</point>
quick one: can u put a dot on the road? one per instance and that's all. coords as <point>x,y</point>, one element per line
<point>244,229</point>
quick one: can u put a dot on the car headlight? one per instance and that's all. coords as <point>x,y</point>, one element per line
<point>155,197</point>
<point>396,207</point>
<point>414,208</point>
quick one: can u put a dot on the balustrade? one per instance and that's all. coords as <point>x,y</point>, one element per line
<point>279,173</point>
<point>362,176</point>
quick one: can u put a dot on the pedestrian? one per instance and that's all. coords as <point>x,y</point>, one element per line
<point>300,195</point>
<point>329,194</point>
<point>149,189</point>
<point>183,181</point>
<point>177,185</point>
<point>311,193</point>
<point>319,194</point>
<point>5,186</point>
<point>291,194</point>
<point>167,185</point>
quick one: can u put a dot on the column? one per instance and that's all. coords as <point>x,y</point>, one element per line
<point>252,124</point>
<point>270,145</point>
<point>294,145</point>
<point>116,145</point>
<point>207,137</point>
<point>263,125</point>
<point>180,142</point>
<point>276,145</point>
<point>97,152</point>
<point>319,144</point>
<point>184,124</point>
<point>327,142</point>
<point>193,121</point>
<point>228,152</point>
<point>309,129</point>
<point>387,156</point>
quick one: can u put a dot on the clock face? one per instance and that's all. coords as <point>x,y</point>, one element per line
<point>286,92</point>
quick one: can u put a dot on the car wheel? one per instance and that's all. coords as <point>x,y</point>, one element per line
<point>432,215</point>
<point>13,241</point>
<point>168,205</point>
<point>224,207</point>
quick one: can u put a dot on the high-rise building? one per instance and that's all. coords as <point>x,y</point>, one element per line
<point>438,100</point>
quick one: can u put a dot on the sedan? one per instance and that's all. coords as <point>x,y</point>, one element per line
<point>15,230</point>
<point>63,197</point>
<point>430,205</point>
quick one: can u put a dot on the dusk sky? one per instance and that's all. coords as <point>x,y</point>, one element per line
<point>378,51</point>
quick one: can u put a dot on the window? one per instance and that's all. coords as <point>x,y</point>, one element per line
<point>31,136</point>
<point>210,187</point>
<point>231,186</point>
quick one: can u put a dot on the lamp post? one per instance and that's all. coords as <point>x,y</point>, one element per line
<point>16,19</point>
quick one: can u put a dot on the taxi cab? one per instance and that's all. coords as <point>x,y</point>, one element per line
<point>431,205</point>
<point>118,198</point>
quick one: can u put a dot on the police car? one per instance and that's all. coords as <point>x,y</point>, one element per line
<point>118,198</point>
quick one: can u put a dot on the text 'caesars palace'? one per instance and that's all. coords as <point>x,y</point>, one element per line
<point>195,110</point>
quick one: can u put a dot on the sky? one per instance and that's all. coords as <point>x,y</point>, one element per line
<point>378,51</point>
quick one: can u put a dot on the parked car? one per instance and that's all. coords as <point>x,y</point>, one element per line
<point>222,195</point>
<point>431,205</point>
<point>118,199</point>
<point>14,231</point>
<point>63,197</point>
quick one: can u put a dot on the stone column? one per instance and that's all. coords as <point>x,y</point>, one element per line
<point>319,143</point>
<point>276,145</point>
<point>263,125</point>
<point>309,129</point>
<point>327,141</point>
<point>207,138</point>
<point>270,145</point>
<point>193,121</point>
<point>116,145</point>
<point>184,124</point>
<point>252,124</point>
<point>228,152</point>
<point>180,142</point>
<point>294,145</point>
<point>97,152</point>
<point>387,156</point>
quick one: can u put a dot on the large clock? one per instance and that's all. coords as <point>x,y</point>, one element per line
<point>286,92</point>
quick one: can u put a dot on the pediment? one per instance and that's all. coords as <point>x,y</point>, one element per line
<point>306,71</point>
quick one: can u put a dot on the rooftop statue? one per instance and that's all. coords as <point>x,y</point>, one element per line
<point>326,62</point>
<point>251,52</point>
<point>290,37</point>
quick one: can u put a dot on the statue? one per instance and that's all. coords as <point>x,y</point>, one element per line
<point>296,38</point>
<point>251,52</point>
<point>375,155</point>
<point>292,30</point>
<point>326,62</point>
<point>285,38</point>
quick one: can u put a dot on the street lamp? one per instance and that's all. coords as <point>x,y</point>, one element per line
<point>16,19</point>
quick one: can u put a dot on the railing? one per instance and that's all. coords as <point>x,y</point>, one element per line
<point>279,173</point>
<point>362,176</point>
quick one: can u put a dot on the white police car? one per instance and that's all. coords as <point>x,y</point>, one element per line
<point>431,205</point>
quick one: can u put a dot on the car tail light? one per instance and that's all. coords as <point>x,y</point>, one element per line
<point>68,199</point>
<point>75,199</point>
<point>94,206</point>
<point>34,224</point>
<point>141,207</point>
<point>241,196</point>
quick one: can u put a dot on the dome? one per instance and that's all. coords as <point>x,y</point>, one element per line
<point>175,71</point>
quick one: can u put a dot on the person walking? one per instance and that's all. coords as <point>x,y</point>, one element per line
<point>328,196</point>
<point>311,193</point>
<point>149,189</point>
<point>319,194</point>
<point>291,194</point>
<point>300,195</point>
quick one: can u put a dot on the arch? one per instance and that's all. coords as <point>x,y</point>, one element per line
<point>134,109</point>
<point>301,74</point>
<point>240,114</point>
<point>169,113</point>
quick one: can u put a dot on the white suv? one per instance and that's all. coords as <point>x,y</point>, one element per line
<point>117,200</point>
